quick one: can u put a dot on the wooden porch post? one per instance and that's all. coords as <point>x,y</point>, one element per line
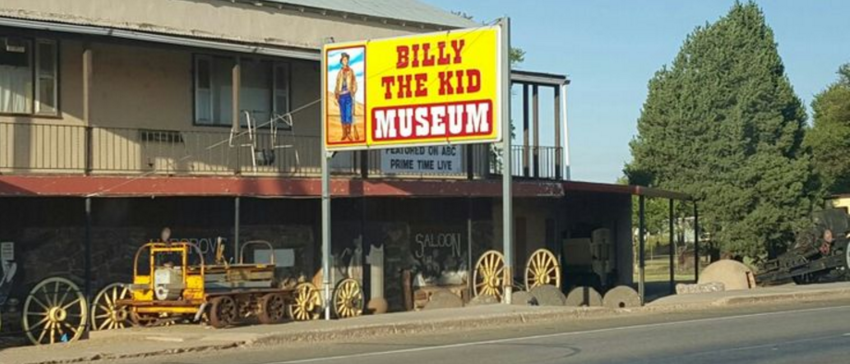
<point>236,81</point>
<point>535,99</point>
<point>558,164</point>
<point>87,85</point>
<point>526,161</point>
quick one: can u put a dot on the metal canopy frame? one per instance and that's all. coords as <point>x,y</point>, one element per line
<point>643,193</point>
<point>531,155</point>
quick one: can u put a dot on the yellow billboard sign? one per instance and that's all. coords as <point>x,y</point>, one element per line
<point>428,89</point>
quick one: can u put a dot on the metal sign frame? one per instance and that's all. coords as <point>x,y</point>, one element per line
<point>504,86</point>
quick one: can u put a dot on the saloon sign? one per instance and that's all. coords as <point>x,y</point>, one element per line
<point>430,89</point>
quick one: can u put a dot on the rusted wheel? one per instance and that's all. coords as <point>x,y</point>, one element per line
<point>489,274</point>
<point>272,308</point>
<point>143,319</point>
<point>223,312</point>
<point>106,314</point>
<point>55,311</point>
<point>348,299</point>
<point>542,268</point>
<point>308,303</point>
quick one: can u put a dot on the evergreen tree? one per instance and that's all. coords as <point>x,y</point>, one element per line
<point>829,138</point>
<point>723,124</point>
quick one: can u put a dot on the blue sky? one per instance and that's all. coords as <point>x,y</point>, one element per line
<point>610,50</point>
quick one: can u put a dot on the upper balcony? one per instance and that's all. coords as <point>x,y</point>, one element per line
<point>27,148</point>
<point>94,105</point>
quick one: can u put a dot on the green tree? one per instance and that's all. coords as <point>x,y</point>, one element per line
<point>723,124</point>
<point>829,138</point>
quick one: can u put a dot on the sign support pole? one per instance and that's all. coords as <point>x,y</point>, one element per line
<point>326,206</point>
<point>507,177</point>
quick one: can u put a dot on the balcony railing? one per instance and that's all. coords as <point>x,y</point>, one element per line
<point>28,148</point>
<point>530,162</point>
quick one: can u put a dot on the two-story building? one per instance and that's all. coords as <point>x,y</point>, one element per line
<point>120,118</point>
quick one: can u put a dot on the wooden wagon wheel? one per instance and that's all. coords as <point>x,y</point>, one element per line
<point>489,274</point>
<point>223,311</point>
<point>106,315</point>
<point>542,268</point>
<point>55,311</point>
<point>348,299</point>
<point>308,303</point>
<point>272,308</point>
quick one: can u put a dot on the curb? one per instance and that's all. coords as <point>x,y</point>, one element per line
<point>430,326</point>
<point>541,314</point>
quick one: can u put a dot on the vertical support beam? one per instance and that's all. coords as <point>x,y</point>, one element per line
<point>641,246</point>
<point>87,88</point>
<point>326,202</point>
<point>468,151</point>
<point>672,252</point>
<point>535,100</point>
<point>87,251</point>
<point>696,243</point>
<point>566,132</point>
<point>526,155</point>
<point>558,152</point>
<point>236,209</point>
<point>469,266</point>
<point>236,82</point>
<point>364,164</point>
<point>507,177</point>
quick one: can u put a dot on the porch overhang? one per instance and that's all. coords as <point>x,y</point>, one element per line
<point>276,187</point>
<point>206,43</point>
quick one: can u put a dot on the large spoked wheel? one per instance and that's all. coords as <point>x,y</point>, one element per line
<point>348,299</point>
<point>223,312</point>
<point>272,308</point>
<point>106,314</point>
<point>541,269</point>
<point>489,274</point>
<point>55,311</point>
<point>308,303</point>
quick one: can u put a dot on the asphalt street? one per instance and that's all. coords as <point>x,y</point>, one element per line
<point>795,333</point>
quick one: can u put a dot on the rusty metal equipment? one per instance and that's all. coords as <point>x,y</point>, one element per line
<point>177,284</point>
<point>172,282</point>
<point>822,254</point>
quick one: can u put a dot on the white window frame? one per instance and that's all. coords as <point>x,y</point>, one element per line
<point>35,57</point>
<point>196,91</point>
<point>284,92</point>
<point>277,66</point>
<point>37,77</point>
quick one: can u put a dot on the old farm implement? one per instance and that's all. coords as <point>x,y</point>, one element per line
<point>172,283</point>
<point>822,254</point>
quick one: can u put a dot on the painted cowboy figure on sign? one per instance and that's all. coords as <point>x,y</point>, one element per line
<point>346,88</point>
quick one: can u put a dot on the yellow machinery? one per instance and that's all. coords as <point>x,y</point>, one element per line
<point>168,287</point>
<point>172,283</point>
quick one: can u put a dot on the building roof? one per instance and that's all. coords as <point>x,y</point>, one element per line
<point>409,10</point>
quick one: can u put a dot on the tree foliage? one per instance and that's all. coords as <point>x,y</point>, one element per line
<point>829,138</point>
<point>723,124</point>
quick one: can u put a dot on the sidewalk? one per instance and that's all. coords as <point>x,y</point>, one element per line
<point>139,342</point>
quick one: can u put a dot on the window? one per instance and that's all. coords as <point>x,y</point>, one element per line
<point>264,89</point>
<point>28,76</point>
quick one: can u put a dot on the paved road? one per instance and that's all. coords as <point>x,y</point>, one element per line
<point>799,333</point>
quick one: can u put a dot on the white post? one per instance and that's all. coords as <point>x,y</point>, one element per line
<point>507,177</point>
<point>326,205</point>
<point>567,163</point>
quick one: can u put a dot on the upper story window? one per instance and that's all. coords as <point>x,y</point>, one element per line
<point>28,76</point>
<point>264,90</point>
